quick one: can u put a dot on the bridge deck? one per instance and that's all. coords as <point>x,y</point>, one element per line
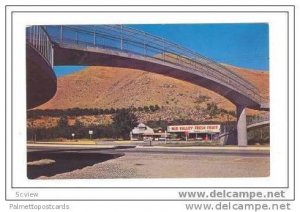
<point>117,43</point>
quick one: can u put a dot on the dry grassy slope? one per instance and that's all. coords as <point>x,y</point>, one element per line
<point>260,79</point>
<point>107,87</point>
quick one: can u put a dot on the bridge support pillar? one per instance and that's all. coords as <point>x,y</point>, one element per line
<point>241,126</point>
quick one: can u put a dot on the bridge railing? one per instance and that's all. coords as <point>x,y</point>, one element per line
<point>130,40</point>
<point>258,119</point>
<point>38,38</point>
<point>231,127</point>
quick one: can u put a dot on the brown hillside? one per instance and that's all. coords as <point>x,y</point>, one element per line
<point>260,79</point>
<point>108,87</point>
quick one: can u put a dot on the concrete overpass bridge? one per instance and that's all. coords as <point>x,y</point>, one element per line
<point>258,122</point>
<point>227,137</point>
<point>120,46</point>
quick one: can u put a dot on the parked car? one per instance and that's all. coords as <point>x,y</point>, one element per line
<point>161,139</point>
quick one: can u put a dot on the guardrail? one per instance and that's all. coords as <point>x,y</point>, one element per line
<point>258,119</point>
<point>126,39</point>
<point>38,38</point>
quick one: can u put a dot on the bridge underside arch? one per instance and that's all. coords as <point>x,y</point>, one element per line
<point>65,55</point>
<point>40,79</point>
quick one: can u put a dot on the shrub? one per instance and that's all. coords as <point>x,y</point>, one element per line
<point>123,122</point>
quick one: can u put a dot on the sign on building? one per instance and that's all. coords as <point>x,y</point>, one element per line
<point>213,128</point>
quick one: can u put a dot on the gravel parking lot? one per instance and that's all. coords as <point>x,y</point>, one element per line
<point>158,165</point>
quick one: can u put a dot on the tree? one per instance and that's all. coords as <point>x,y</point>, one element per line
<point>79,129</point>
<point>78,124</point>
<point>212,109</point>
<point>146,109</point>
<point>152,108</point>
<point>201,98</point>
<point>62,122</point>
<point>123,122</point>
<point>134,109</point>
<point>112,110</point>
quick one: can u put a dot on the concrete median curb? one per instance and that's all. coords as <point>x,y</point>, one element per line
<point>248,148</point>
<point>71,145</point>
